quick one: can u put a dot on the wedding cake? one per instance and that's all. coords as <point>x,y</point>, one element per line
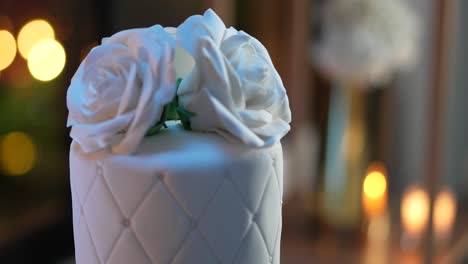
<point>176,153</point>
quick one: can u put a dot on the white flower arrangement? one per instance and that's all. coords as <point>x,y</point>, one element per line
<point>366,40</point>
<point>126,87</point>
<point>120,89</point>
<point>234,89</point>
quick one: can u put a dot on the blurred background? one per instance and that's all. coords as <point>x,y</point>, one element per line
<point>376,164</point>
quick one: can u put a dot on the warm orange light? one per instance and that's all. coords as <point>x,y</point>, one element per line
<point>7,49</point>
<point>375,185</point>
<point>32,33</point>
<point>17,153</point>
<point>445,210</point>
<point>415,211</point>
<point>374,189</point>
<point>46,60</point>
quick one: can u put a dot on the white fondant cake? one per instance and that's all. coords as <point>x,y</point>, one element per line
<point>143,193</point>
<point>183,197</point>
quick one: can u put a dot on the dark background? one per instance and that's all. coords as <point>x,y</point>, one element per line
<point>416,123</point>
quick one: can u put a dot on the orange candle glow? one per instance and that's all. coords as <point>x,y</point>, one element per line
<point>445,210</point>
<point>415,211</point>
<point>374,190</point>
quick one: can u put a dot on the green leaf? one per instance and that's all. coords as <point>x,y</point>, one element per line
<point>155,129</point>
<point>186,124</point>
<point>185,117</point>
<point>172,111</point>
<point>183,112</point>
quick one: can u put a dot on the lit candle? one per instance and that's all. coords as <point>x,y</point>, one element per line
<point>444,215</point>
<point>374,202</point>
<point>374,190</point>
<point>414,213</point>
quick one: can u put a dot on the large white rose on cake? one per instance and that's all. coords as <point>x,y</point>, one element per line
<point>120,89</point>
<point>234,88</point>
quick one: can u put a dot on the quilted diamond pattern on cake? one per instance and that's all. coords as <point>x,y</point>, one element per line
<point>128,251</point>
<point>76,207</point>
<point>278,168</point>
<point>168,223</point>
<point>269,214</point>
<point>247,185</point>
<point>276,254</point>
<point>82,185</point>
<point>128,186</point>
<point>194,191</point>
<point>226,217</point>
<point>160,224</point>
<point>85,245</point>
<point>253,248</point>
<point>195,250</point>
<point>103,218</point>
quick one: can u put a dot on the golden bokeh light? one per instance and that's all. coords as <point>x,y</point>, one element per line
<point>7,49</point>
<point>445,210</point>
<point>46,60</point>
<point>375,184</point>
<point>32,33</point>
<point>374,190</point>
<point>17,153</point>
<point>415,210</point>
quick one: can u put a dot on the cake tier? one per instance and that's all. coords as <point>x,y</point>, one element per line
<point>183,197</point>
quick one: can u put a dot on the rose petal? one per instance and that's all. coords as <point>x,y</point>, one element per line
<point>255,118</point>
<point>128,99</point>
<point>93,137</point>
<point>234,89</point>
<point>197,27</point>
<point>220,119</point>
<point>130,76</point>
<point>148,111</point>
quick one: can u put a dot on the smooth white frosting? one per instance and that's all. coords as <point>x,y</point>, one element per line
<point>183,197</point>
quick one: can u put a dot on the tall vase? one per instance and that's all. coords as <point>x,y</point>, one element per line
<point>345,156</point>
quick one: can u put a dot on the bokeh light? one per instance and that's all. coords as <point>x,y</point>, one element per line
<point>17,153</point>
<point>7,49</point>
<point>46,60</point>
<point>32,33</point>
<point>415,210</point>
<point>445,210</point>
<point>374,189</point>
<point>375,184</point>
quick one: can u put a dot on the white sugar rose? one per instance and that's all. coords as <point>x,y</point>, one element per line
<point>120,89</point>
<point>234,88</point>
